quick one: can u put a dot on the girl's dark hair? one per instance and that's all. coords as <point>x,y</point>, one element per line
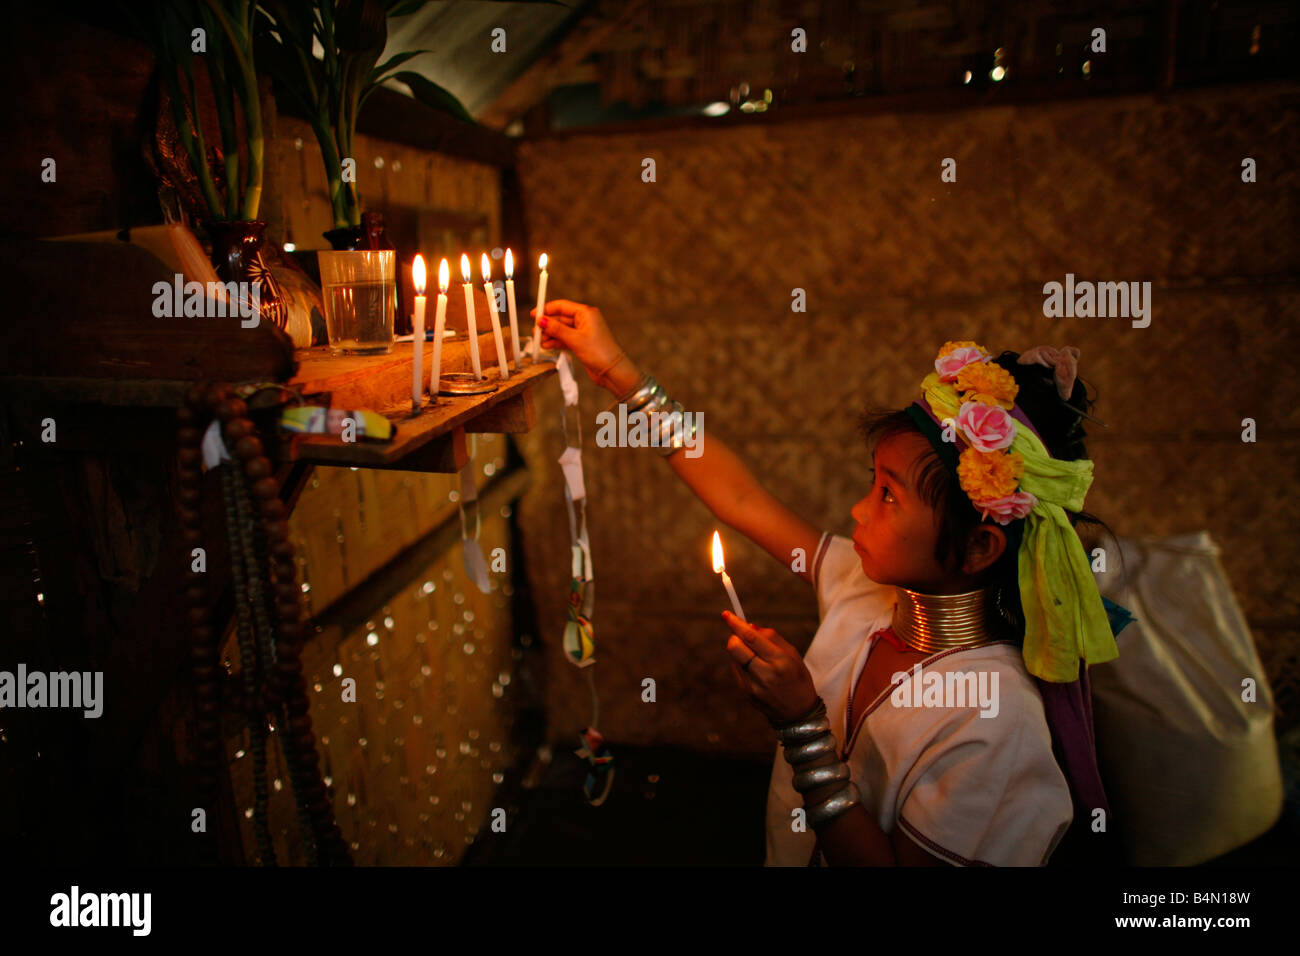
<point>1062,432</point>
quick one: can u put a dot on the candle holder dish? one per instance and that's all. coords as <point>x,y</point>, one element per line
<point>464,383</point>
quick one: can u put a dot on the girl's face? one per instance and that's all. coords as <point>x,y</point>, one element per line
<point>897,530</point>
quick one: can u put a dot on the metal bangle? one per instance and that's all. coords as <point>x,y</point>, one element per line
<point>657,402</point>
<point>645,380</point>
<point>804,730</point>
<point>840,802</point>
<point>669,428</point>
<point>817,712</point>
<point>640,396</point>
<point>811,750</point>
<point>815,777</point>
<point>649,397</point>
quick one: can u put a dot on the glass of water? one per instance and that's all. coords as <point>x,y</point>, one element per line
<point>360,292</point>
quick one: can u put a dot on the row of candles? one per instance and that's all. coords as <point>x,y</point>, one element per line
<point>419,278</point>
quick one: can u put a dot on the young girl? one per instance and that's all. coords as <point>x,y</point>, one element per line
<point>941,713</point>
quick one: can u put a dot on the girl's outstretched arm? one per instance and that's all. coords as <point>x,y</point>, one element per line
<point>736,498</point>
<point>717,476</point>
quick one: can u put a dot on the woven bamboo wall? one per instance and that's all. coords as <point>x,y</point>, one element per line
<point>694,273</point>
<point>416,760</point>
<point>390,177</point>
<point>414,764</point>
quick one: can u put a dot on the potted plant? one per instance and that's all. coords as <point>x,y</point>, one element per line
<point>331,91</point>
<point>221,32</point>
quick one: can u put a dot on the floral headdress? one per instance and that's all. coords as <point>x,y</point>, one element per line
<point>1009,475</point>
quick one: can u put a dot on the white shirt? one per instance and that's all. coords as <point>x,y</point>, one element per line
<point>972,790</point>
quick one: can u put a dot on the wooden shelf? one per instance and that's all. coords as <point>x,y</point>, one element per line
<point>52,356</point>
<point>432,439</point>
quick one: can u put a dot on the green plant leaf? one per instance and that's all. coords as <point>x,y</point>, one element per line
<point>432,95</point>
<point>390,64</point>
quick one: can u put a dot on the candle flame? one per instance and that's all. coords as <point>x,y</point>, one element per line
<point>417,274</point>
<point>485,266</point>
<point>464,267</point>
<point>718,565</point>
<point>541,262</point>
<point>510,264</point>
<point>444,276</point>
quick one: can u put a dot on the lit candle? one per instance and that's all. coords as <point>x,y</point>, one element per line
<point>510,303</point>
<point>541,307</point>
<point>469,315</point>
<point>439,320</point>
<point>486,267</point>
<point>721,568</point>
<point>417,373</point>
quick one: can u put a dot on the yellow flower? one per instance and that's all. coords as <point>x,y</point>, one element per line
<point>988,383</point>
<point>985,475</point>
<point>953,346</point>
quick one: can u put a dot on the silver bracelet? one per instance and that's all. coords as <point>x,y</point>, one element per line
<point>815,777</point>
<point>804,729</point>
<point>639,397</point>
<point>810,750</point>
<point>841,801</point>
<point>649,397</point>
<point>672,436</point>
<point>794,729</point>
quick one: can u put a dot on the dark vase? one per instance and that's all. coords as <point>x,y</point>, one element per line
<point>369,235</point>
<point>345,238</point>
<point>237,256</point>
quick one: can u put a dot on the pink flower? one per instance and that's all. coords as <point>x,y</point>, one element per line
<point>949,365</point>
<point>987,427</point>
<point>1007,509</point>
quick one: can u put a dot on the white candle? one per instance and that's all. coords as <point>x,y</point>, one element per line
<point>541,307</point>
<point>440,320</point>
<point>721,569</point>
<point>469,315</point>
<point>510,303</point>
<point>417,371</point>
<point>486,267</point>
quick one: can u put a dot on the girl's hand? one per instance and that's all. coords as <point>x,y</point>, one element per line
<point>777,681</point>
<point>582,330</point>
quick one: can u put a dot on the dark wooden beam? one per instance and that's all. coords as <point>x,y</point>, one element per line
<point>929,101</point>
<point>391,115</point>
<point>587,35</point>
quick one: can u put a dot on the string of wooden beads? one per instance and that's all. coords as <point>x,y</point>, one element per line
<point>203,651</point>
<point>250,667</point>
<point>270,627</point>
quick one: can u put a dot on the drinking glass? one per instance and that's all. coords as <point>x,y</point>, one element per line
<point>360,292</point>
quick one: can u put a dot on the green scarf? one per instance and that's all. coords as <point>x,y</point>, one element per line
<point>1065,619</point>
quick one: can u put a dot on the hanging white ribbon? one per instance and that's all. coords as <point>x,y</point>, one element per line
<point>568,384</point>
<point>471,548</point>
<point>214,449</point>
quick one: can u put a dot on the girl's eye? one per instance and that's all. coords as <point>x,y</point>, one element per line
<point>884,490</point>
